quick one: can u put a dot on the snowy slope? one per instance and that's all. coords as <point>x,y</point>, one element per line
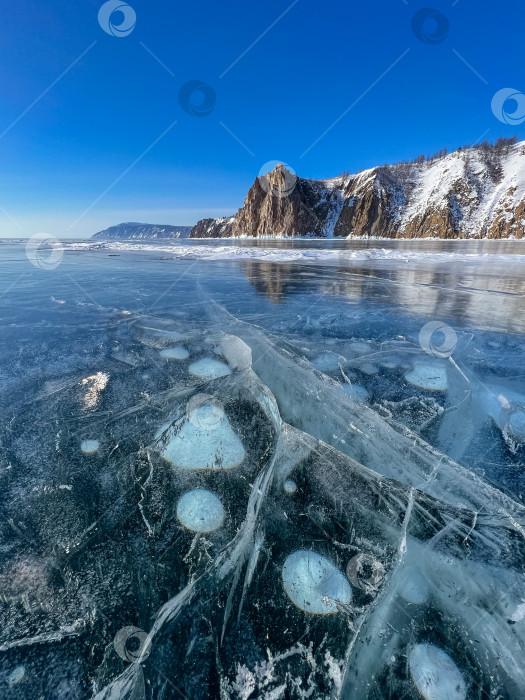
<point>476,192</point>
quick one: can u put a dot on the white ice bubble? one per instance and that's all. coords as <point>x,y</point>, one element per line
<point>359,393</point>
<point>16,675</point>
<point>205,411</point>
<point>236,352</point>
<point>195,445</point>
<point>414,586</point>
<point>208,368</point>
<point>517,423</point>
<point>428,375</point>
<point>89,447</point>
<point>200,510</point>
<point>435,675</point>
<point>177,353</point>
<point>360,347</point>
<point>368,368</point>
<point>290,486</point>
<point>313,583</point>
<point>326,362</point>
<point>390,362</point>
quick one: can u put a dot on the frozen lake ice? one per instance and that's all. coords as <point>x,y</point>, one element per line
<point>263,481</point>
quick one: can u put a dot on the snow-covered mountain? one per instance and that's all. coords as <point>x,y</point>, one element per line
<point>476,192</point>
<point>133,230</point>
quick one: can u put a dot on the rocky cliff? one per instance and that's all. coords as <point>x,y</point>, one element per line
<point>476,192</point>
<point>134,230</point>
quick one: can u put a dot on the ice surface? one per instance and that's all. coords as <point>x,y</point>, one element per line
<point>272,534</point>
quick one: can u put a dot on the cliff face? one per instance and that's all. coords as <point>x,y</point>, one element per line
<point>473,193</point>
<point>213,228</point>
<point>142,231</point>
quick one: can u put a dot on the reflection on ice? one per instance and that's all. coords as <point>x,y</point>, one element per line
<point>95,384</point>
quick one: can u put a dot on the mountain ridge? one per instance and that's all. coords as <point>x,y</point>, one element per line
<point>474,192</point>
<point>133,230</point>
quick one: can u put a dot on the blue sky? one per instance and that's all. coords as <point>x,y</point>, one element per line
<point>87,154</point>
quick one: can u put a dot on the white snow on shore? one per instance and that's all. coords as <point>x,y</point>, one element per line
<point>300,255</point>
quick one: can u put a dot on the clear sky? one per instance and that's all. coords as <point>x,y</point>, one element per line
<point>87,132</point>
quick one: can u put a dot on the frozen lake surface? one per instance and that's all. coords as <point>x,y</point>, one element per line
<point>289,469</point>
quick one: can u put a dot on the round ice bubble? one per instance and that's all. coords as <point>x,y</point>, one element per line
<point>89,447</point>
<point>360,347</point>
<point>178,353</point>
<point>435,675</point>
<point>326,362</point>
<point>200,511</point>
<point>204,443</point>
<point>359,393</point>
<point>414,586</point>
<point>16,675</point>
<point>390,362</point>
<point>205,411</point>
<point>428,375</point>
<point>313,583</point>
<point>290,486</point>
<point>517,423</point>
<point>368,368</point>
<point>207,368</point>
